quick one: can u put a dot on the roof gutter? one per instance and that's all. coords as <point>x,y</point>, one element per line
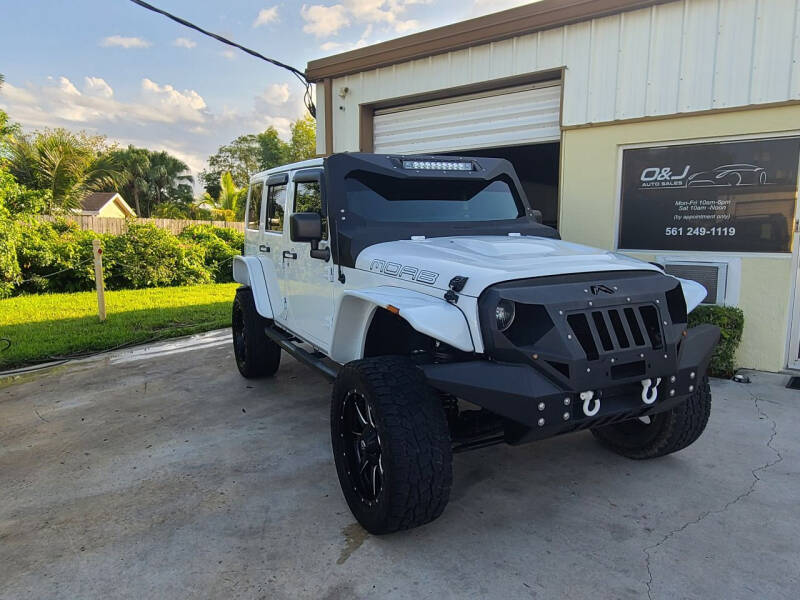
<point>545,14</point>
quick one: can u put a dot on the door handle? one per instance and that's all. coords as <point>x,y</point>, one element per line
<point>288,254</point>
<point>263,248</point>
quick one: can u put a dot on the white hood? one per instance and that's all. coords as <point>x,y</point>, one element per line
<point>487,260</point>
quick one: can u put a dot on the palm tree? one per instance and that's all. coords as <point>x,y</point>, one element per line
<point>166,175</point>
<point>67,165</point>
<point>230,198</point>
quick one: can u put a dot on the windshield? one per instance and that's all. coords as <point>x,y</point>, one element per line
<point>387,199</point>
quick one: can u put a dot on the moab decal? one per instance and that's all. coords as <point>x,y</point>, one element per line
<point>404,272</point>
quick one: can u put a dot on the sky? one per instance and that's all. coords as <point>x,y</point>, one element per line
<point>110,67</point>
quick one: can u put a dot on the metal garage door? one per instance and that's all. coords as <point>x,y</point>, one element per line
<point>508,117</point>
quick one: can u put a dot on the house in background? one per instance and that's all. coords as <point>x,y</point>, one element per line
<point>105,204</point>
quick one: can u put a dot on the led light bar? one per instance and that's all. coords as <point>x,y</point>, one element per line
<point>437,165</point>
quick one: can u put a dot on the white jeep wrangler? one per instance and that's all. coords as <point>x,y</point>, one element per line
<point>450,319</point>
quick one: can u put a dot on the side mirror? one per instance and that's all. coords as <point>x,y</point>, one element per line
<point>305,227</point>
<point>536,214</point>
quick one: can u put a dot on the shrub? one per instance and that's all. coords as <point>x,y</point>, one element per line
<point>146,256</point>
<point>54,257</point>
<point>730,321</point>
<point>220,245</point>
<point>10,274</point>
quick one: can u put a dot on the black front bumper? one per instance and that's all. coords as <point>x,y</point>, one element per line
<point>537,406</point>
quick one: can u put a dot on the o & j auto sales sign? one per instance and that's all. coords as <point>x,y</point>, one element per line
<point>737,196</point>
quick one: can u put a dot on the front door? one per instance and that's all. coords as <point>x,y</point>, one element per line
<point>310,279</point>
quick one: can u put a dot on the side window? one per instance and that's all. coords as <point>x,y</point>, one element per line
<point>254,206</point>
<point>308,198</point>
<point>276,205</point>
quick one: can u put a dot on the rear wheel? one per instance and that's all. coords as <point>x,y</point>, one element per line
<point>391,444</point>
<point>256,354</point>
<point>661,434</point>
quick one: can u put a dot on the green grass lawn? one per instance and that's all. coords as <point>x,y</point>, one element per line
<point>51,326</point>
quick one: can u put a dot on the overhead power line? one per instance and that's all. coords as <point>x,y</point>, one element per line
<point>296,72</point>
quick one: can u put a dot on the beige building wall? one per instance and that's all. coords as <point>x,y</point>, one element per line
<point>589,205</point>
<point>112,210</point>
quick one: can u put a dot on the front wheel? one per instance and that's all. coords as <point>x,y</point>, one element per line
<point>391,444</point>
<point>663,433</point>
<point>256,355</point>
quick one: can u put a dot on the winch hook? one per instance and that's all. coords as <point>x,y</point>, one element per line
<point>650,391</point>
<point>587,398</point>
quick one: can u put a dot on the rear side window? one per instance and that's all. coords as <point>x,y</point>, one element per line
<point>254,206</point>
<point>276,205</point>
<point>308,198</point>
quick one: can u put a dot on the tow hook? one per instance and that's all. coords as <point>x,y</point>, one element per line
<point>650,391</point>
<point>587,398</point>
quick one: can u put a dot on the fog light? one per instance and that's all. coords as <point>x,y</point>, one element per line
<point>504,314</point>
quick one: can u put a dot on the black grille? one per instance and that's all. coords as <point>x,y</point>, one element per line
<point>615,329</point>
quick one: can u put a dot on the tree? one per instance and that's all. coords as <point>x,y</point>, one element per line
<point>231,199</point>
<point>249,154</point>
<point>136,162</point>
<point>66,165</point>
<point>154,178</point>
<point>6,128</point>
<point>303,143</point>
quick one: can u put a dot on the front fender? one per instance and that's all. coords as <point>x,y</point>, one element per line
<point>427,314</point>
<point>248,271</point>
<point>693,292</point>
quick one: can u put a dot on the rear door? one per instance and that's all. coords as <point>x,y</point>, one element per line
<point>274,241</point>
<point>310,279</point>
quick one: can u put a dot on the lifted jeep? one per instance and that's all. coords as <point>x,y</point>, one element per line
<point>450,319</point>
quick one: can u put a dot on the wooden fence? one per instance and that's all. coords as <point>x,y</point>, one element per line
<point>111,225</point>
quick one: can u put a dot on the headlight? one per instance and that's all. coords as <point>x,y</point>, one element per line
<point>504,314</point>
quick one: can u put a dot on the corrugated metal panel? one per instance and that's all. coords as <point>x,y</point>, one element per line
<point>687,55</point>
<point>519,117</point>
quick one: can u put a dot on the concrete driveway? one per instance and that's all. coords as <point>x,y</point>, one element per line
<point>161,473</point>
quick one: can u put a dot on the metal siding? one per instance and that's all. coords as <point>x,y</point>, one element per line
<point>602,92</point>
<point>697,55</point>
<point>577,49</point>
<point>688,55</point>
<point>500,120</point>
<point>663,72</point>
<point>734,56</point>
<point>773,50</point>
<point>634,54</point>
<point>795,77</point>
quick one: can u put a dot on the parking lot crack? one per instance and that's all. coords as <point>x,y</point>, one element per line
<point>649,550</point>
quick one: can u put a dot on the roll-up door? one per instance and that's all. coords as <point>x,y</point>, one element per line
<point>508,117</point>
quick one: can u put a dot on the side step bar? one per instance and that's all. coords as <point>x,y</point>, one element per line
<point>284,340</point>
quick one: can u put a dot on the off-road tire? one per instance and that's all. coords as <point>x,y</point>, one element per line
<point>256,354</point>
<point>667,432</point>
<point>414,439</point>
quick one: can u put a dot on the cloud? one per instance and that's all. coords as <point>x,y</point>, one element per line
<point>327,21</point>
<point>187,105</point>
<point>125,42</point>
<point>229,54</point>
<point>183,42</point>
<point>324,21</point>
<point>484,7</point>
<point>276,93</point>
<point>155,115</point>
<point>332,46</point>
<point>97,86</point>
<point>266,16</point>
